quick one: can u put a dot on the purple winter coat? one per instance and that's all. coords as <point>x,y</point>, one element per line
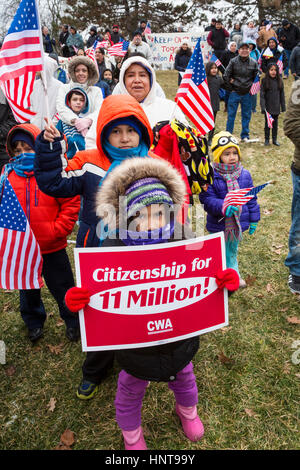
<point>213,199</point>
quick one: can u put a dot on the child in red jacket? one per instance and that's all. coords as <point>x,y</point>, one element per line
<point>51,220</point>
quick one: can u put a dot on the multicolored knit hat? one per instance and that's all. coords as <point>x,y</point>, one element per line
<point>144,192</point>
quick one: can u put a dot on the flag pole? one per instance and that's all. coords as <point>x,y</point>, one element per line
<point>43,77</point>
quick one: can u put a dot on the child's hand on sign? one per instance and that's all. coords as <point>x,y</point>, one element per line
<point>228,278</point>
<point>77,298</point>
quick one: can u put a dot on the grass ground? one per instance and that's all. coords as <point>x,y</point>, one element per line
<point>247,375</point>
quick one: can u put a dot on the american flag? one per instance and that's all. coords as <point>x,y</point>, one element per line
<point>255,86</point>
<point>217,61</point>
<point>105,44</point>
<point>280,64</point>
<point>20,258</point>
<point>90,52</point>
<point>257,189</point>
<point>237,197</point>
<point>270,120</point>
<point>119,49</point>
<point>148,28</point>
<point>20,58</point>
<point>193,94</point>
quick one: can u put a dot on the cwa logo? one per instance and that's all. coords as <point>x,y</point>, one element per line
<point>159,326</point>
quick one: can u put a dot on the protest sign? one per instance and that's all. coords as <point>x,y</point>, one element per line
<point>165,45</point>
<point>145,296</point>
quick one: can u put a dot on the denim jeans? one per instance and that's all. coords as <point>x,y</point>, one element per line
<point>288,55</point>
<point>293,259</point>
<point>246,104</point>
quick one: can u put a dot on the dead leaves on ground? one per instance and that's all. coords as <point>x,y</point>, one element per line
<point>250,413</point>
<point>56,349</point>
<point>67,439</point>
<point>294,320</point>
<point>227,361</point>
<point>51,405</point>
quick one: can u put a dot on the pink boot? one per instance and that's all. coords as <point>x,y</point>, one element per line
<point>191,423</point>
<point>134,440</point>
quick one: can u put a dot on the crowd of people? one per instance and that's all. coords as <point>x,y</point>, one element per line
<point>94,144</point>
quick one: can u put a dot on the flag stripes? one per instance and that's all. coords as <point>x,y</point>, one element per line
<point>193,94</point>
<point>20,256</point>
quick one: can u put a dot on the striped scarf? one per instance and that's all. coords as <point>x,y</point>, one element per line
<point>231,173</point>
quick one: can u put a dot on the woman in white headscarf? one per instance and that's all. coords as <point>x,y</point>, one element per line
<point>137,78</point>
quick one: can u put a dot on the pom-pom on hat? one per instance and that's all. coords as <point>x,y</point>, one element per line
<point>222,141</point>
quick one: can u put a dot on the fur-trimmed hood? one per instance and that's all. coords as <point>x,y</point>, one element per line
<point>92,68</point>
<point>117,181</point>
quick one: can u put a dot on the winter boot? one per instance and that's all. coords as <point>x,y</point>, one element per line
<point>191,423</point>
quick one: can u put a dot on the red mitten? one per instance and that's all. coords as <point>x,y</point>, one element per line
<point>76,298</point>
<point>228,278</point>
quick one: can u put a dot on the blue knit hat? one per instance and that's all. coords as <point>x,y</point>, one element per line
<point>144,192</point>
<point>23,136</point>
<point>130,121</point>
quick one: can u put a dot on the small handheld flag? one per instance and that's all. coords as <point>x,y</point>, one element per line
<point>148,28</point>
<point>90,52</point>
<point>217,61</point>
<point>119,49</point>
<point>193,94</point>
<point>280,64</point>
<point>270,120</point>
<point>257,189</point>
<point>255,86</point>
<point>237,197</point>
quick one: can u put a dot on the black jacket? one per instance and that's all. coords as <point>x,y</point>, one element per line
<point>226,58</point>
<point>214,85</point>
<point>217,39</point>
<point>7,121</point>
<point>295,60</point>
<point>92,38</point>
<point>181,60</point>
<point>289,37</point>
<point>272,99</point>
<point>156,363</point>
<point>243,72</point>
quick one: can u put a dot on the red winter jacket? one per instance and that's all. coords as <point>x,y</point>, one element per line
<point>51,219</point>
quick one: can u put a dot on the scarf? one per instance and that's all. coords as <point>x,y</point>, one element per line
<point>231,173</point>
<point>22,164</point>
<point>118,155</point>
<point>149,237</point>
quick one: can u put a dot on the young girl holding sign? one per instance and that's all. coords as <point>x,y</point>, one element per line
<point>153,192</point>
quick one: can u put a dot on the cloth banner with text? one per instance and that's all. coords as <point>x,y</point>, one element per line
<point>165,45</point>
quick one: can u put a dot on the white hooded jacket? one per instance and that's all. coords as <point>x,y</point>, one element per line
<point>156,108</point>
<point>94,93</point>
